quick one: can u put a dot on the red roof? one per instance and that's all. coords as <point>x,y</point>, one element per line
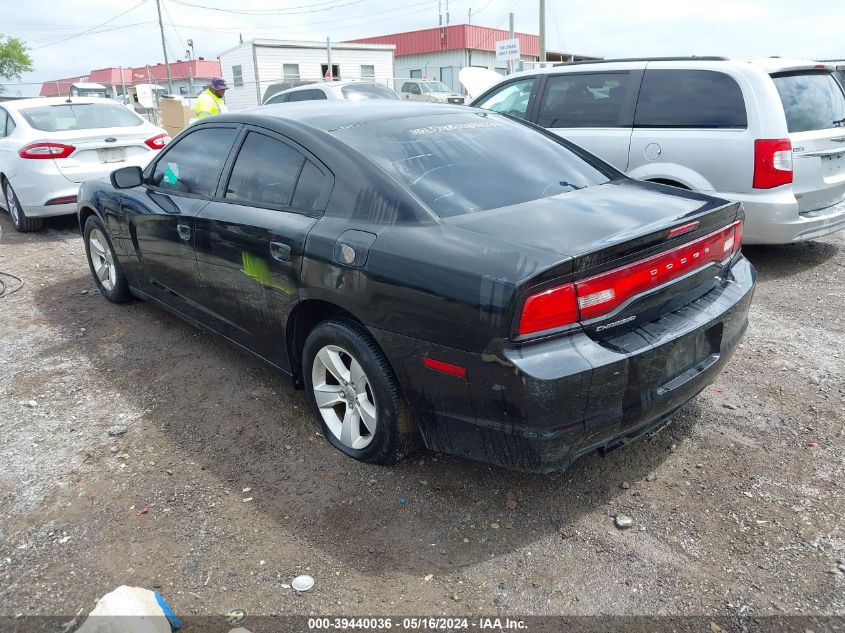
<point>447,38</point>
<point>199,69</point>
<point>58,87</point>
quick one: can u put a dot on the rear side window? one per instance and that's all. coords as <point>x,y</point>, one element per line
<point>510,99</point>
<point>4,118</point>
<point>358,92</point>
<point>583,100</point>
<point>811,101</point>
<point>192,164</point>
<point>265,172</point>
<point>80,116</point>
<point>690,99</point>
<point>308,188</point>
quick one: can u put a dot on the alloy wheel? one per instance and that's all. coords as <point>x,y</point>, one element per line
<point>12,203</point>
<point>344,397</point>
<point>102,260</point>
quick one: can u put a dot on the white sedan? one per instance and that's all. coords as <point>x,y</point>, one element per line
<point>49,146</point>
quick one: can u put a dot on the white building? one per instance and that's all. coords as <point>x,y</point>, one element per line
<point>250,68</point>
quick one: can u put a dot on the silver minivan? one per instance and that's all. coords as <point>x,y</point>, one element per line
<point>768,133</point>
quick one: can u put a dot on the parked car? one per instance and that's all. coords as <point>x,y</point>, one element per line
<point>49,146</point>
<point>431,91</point>
<point>770,134</point>
<point>335,90</point>
<point>521,307</point>
<point>275,88</point>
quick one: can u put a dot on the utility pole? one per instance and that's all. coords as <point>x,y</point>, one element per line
<point>164,49</point>
<point>329,56</point>
<point>542,30</point>
<point>469,16</point>
<point>510,36</point>
<point>123,84</point>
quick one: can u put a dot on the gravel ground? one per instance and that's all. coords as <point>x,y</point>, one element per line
<point>137,450</point>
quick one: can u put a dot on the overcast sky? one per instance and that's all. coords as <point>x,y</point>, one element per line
<point>609,28</point>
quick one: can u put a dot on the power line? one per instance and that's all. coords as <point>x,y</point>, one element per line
<point>106,30</point>
<point>119,15</point>
<point>289,11</point>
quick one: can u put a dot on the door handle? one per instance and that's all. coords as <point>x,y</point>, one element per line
<point>280,251</point>
<point>184,231</point>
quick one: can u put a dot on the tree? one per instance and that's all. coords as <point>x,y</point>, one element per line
<point>14,59</point>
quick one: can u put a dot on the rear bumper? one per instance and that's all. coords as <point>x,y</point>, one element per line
<point>774,218</point>
<point>539,407</point>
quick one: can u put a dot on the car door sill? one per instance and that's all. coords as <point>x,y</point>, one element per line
<point>140,294</point>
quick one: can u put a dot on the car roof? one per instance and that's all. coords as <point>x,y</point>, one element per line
<point>330,115</point>
<point>780,64</point>
<point>20,104</point>
<point>328,84</point>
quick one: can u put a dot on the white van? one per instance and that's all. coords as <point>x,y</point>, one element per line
<point>769,133</point>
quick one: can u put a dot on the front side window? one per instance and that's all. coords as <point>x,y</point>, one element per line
<point>690,99</point>
<point>583,100</point>
<point>278,99</point>
<point>237,76</point>
<point>510,99</point>
<point>265,172</point>
<point>80,116</point>
<point>192,165</point>
<point>466,163</point>
<point>811,101</point>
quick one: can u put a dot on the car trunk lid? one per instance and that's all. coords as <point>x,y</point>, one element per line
<point>670,240</point>
<point>102,150</point>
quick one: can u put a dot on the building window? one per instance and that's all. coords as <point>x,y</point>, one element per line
<point>183,90</point>
<point>237,76</point>
<point>368,71</point>
<point>416,74</point>
<point>290,72</point>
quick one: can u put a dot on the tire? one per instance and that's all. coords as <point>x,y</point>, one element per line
<point>352,407</point>
<point>22,223</point>
<point>103,262</point>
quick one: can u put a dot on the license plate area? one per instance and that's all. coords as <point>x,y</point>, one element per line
<point>833,165</point>
<point>112,154</point>
<point>690,356</point>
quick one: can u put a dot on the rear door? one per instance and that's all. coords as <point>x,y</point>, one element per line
<point>250,239</point>
<point>814,105</point>
<point>592,109</point>
<point>691,127</point>
<point>105,136</point>
<point>160,215</point>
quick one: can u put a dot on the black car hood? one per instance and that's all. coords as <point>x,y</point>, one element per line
<point>589,219</point>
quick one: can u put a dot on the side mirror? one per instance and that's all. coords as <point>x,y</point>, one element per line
<point>127,177</point>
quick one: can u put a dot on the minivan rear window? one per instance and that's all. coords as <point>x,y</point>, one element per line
<point>80,116</point>
<point>690,99</point>
<point>811,101</point>
<point>466,163</point>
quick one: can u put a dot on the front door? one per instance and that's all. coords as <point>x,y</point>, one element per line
<point>250,240</point>
<point>160,215</point>
<point>593,110</point>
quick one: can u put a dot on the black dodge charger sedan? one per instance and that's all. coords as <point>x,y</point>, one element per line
<point>433,273</point>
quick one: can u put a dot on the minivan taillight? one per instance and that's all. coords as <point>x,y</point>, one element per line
<point>158,141</point>
<point>772,163</point>
<point>601,294</point>
<point>46,150</point>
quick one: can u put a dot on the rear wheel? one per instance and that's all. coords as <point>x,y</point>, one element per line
<point>355,394</point>
<point>105,267</point>
<point>19,219</point>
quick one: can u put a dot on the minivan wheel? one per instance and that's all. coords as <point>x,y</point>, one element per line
<point>22,223</point>
<point>355,395</point>
<point>103,262</point>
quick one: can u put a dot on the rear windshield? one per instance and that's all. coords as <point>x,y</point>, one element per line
<point>811,101</point>
<point>79,116</point>
<point>359,92</point>
<point>465,163</point>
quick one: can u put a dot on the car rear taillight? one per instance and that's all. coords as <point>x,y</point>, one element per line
<point>601,294</point>
<point>158,141</point>
<point>46,150</point>
<point>549,310</point>
<point>772,163</point>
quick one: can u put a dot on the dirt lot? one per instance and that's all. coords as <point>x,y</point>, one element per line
<point>218,490</point>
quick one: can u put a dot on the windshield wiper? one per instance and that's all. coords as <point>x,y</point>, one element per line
<point>563,183</point>
<point>839,122</point>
